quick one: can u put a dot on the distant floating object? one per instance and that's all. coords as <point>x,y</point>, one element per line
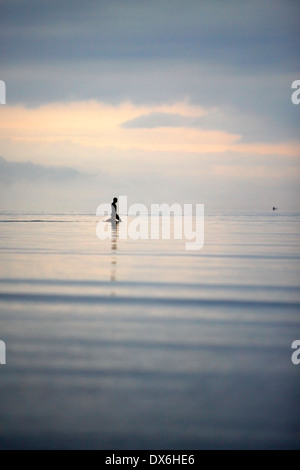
<point>275,208</point>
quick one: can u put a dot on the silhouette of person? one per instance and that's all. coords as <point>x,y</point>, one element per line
<point>114,215</point>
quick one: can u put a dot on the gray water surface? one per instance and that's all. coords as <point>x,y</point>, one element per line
<point>140,344</point>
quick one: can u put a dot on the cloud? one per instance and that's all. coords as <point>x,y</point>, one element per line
<point>156,120</point>
<point>154,53</point>
<point>250,128</point>
<point>240,34</point>
<point>175,128</point>
<point>11,172</point>
<point>222,181</point>
<point>99,125</point>
<point>31,187</point>
<point>173,99</point>
<point>254,105</point>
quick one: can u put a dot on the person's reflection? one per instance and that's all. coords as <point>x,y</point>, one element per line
<point>114,247</point>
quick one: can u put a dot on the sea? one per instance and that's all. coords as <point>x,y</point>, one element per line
<point>120,343</point>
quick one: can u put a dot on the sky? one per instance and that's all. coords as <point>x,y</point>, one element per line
<point>164,101</point>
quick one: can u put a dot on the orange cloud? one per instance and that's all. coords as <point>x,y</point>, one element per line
<point>97,125</point>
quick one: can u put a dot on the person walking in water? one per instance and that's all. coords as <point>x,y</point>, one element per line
<point>114,215</point>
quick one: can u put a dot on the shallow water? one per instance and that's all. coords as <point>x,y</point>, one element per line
<point>140,344</point>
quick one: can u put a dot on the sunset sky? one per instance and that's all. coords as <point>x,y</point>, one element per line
<point>161,100</point>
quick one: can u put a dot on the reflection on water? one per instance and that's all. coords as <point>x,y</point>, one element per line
<point>114,248</point>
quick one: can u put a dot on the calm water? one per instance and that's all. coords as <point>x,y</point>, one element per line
<point>123,344</point>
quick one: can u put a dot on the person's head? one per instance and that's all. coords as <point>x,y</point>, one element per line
<point>115,200</point>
